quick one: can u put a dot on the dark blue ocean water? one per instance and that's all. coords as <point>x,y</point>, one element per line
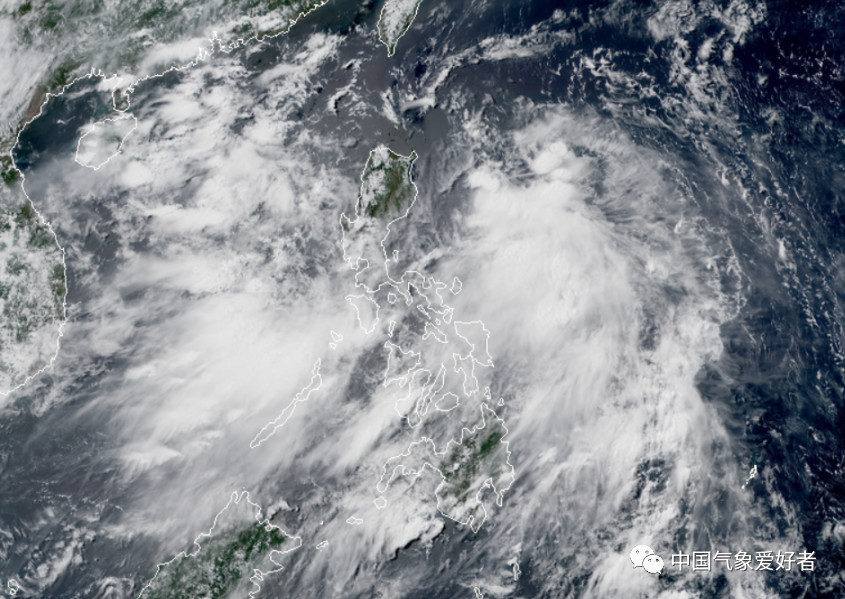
<point>774,120</point>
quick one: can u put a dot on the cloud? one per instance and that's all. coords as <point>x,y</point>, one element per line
<point>602,309</point>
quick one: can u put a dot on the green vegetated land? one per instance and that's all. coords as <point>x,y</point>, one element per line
<point>387,188</point>
<point>63,74</point>
<point>32,275</point>
<point>224,563</point>
<point>479,453</point>
<point>121,99</point>
<point>169,19</point>
<point>10,174</point>
<point>126,30</point>
<point>264,6</point>
<point>28,223</point>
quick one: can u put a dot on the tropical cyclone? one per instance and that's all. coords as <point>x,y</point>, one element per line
<point>435,368</point>
<point>436,376</point>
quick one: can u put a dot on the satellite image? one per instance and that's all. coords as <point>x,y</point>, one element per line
<point>422,299</point>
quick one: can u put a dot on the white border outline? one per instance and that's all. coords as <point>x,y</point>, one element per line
<point>124,116</point>
<point>401,470</point>
<point>286,414</point>
<point>258,576</point>
<point>391,50</point>
<point>202,55</point>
